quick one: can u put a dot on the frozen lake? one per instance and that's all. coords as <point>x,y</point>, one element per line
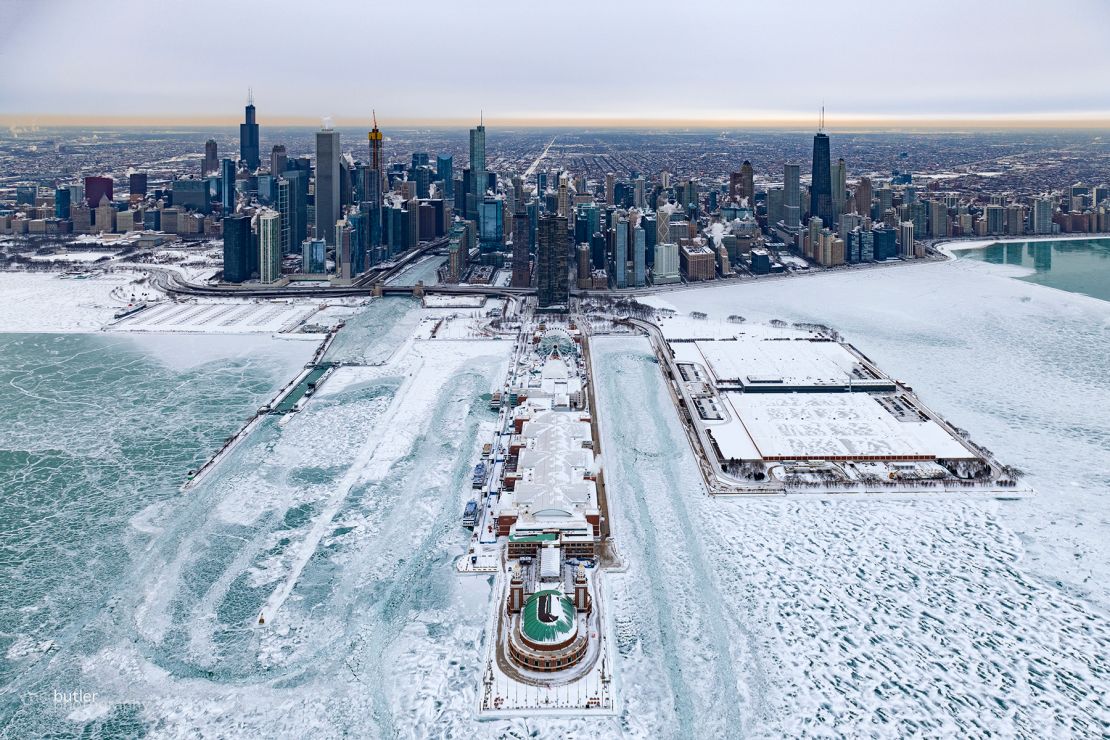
<point>759,618</point>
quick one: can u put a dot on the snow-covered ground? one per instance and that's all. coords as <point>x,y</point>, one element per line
<point>34,302</point>
<point>223,316</point>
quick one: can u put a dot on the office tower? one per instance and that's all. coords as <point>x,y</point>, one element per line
<point>227,183</point>
<point>666,264</point>
<point>774,205</point>
<point>522,227</point>
<point>791,196</point>
<point>619,251</point>
<point>423,176</point>
<point>583,271</point>
<point>269,246</point>
<point>491,224</point>
<point>62,202</point>
<point>283,202</point>
<point>638,192</point>
<point>445,173</point>
<point>905,238</point>
<point>820,189</point>
<point>839,179</point>
<point>237,247</point>
<point>97,188</point>
<point>248,137</point>
<point>136,185</point>
<point>733,185</point>
<point>211,163</point>
<point>278,160</point>
<point>454,254</point>
<point>105,216</point>
<point>639,257</point>
<point>747,182</point>
<point>192,195</point>
<point>327,183</point>
<point>610,187</point>
<point>863,196</point>
<point>25,195</point>
<point>314,256</point>
<point>551,261</point>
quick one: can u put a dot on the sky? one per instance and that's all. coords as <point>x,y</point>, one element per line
<point>443,61</point>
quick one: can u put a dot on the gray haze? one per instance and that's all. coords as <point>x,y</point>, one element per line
<point>434,59</point>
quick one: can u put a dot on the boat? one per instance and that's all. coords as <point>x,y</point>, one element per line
<point>470,514</point>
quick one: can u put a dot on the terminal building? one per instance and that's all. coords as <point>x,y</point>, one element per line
<point>550,483</point>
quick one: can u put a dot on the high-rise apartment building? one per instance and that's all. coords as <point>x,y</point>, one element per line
<point>269,246</point>
<point>791,196</point>
<point>551,261</point>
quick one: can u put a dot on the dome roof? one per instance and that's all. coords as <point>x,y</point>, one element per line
<point>548,617</point>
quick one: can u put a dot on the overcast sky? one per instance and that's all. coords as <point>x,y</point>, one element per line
<point>570,59</point>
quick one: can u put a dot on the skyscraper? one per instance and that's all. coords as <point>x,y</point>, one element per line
<point>747,182</point>
<point>839,179</point>
<point>477,170</point>
<point>211,163</point>
<point>278,160</point>
<point>639,257</point>
<point>522,225</point>
<point>791,196</point>
<point>248,137</point>
<point>619,268</point>
<point>445,173</point>
<point>97,188</point>
<point>820,189</point>
<point>863,196</point>
<point>237,248</point>
<point>227,182</point>
<point>269,246</point>
<point>327,183</point>
<point>551,261</point>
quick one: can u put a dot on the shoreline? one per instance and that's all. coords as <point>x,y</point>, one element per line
<point>950,246</point>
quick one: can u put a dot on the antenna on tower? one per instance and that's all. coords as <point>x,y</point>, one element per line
<point>821,120</point>
<point>250,96</point>
<point>374,113</point>
<point>481,117</point>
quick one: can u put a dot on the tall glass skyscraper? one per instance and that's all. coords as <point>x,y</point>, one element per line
<point>248,138</point>
<point>477,170</point>
<point>820,189</point>
<point>227,182</point>
<point>553,285</point>
<point>327,184</point>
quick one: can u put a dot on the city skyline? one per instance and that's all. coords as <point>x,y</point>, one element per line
<point>951,66</point>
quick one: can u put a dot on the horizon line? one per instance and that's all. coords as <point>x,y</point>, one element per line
<point>1003,121</point>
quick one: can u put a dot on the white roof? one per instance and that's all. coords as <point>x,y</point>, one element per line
<point>817,425</point>
<point>551,562</point>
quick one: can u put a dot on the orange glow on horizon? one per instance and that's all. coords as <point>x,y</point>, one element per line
<point>1079,121</point>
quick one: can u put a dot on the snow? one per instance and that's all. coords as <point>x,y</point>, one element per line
<point>814,425</point>
<point>219,316</point>
<point>33,302</point>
